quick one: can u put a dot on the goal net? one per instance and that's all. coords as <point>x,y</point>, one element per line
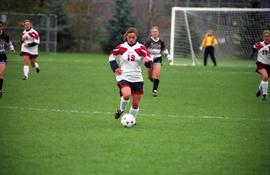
<point>236,30</point>
<point>45,24</point>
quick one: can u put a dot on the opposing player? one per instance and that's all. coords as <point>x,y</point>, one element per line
<point>4,41</point>
<point>156,48</point>
<point>208,43</point>
<point>126,60</point>
<point>263,63</point>
<point>29,50</point>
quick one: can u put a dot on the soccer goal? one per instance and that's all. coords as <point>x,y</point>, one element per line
<point>236,30</point>
<point>45,24</point>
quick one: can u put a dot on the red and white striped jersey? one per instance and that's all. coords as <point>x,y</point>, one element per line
<point>30,36</point>
<point>263,52</point>
<point>130,59</point>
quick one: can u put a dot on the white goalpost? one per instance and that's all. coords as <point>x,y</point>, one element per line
<point>236,30</point>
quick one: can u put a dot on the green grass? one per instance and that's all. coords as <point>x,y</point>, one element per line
<point>205,121</point>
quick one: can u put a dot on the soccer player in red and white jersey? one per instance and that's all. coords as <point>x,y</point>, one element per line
<point>4,41</point>
<point>263,63</point>
<point>156,48</point>
<point>29,50</point>
<point>126,60</point>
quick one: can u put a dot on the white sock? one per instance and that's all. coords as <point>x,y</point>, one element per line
<point>36,65</point>
<point>26,70</point>
<point>133,111</point>
<point>123,104</point>
<point>260,86</point>
<point>264,87</point>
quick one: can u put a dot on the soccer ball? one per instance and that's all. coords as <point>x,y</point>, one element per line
<point>128,120</point>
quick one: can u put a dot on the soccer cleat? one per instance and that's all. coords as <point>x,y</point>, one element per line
<point>37,70</point>
<point>118,114</point>
<point>264,97</point>
<point>1,93</point>
<point>25,78</point>
<point>154,94</point>
<point>258,93</point>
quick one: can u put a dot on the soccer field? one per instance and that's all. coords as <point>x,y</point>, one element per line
<point>205,121</point>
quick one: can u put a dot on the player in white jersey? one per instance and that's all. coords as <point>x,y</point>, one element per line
<point>126,60</point>
<point>263,63</point>
<point>29,50</point>
<point>156,48</point>
<point>4,41</point>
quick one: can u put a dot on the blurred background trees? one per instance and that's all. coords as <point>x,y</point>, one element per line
<point>98,25</point>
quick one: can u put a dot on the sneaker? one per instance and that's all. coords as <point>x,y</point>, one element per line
<point>1,93</point>
<point>118,114</point>
<point>264,97</point>
<point>25,78</point>
<point>37,70</point>
<point>258,93</point>
<point>154,94</point>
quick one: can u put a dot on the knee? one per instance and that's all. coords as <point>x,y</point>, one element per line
<point>157,75</point>
<point>265,78</point>
<point>126,96</point>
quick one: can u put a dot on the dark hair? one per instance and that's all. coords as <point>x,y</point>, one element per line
<point>130,30</point>
<point>1,22</point>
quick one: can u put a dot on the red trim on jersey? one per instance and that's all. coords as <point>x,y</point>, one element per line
<point>258,45</point>
<point>119,50</point>
<point>142,51</point>
<point>34,35</point>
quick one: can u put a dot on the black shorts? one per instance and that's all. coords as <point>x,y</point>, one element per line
<point>136,87</point>
<point>263,66</point>
<point>3,58</point>
<point>157,60</point>
<point>28,54</point>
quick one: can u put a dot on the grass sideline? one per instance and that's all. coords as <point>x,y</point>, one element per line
<point>204,121</point>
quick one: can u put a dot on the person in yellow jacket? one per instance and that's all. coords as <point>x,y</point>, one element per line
<point>208,43</point>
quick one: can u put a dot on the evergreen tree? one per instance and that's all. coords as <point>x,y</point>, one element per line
<point>65,34</point>
<point>118,24</point>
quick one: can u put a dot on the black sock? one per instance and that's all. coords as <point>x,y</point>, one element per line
<point>156,83</point>
<point>1,84</point>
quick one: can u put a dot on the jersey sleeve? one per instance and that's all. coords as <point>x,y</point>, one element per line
<point>203,42</point>
<point>215,42</point>
<point>258,45</point>
<point>115,53</point>
<point>165,51</point>
<point>8,42</point>
<point>35,36</point>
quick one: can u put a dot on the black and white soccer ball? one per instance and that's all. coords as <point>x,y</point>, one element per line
<point>128,120</point>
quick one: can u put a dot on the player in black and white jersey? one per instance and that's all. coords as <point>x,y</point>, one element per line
<point>263,63</point>
<point>156,48</point>
<point>4,41</point>
<point>29,50</point>
<point>126,60</point>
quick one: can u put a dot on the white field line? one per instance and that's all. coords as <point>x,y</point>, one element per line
<point>141,114</point>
